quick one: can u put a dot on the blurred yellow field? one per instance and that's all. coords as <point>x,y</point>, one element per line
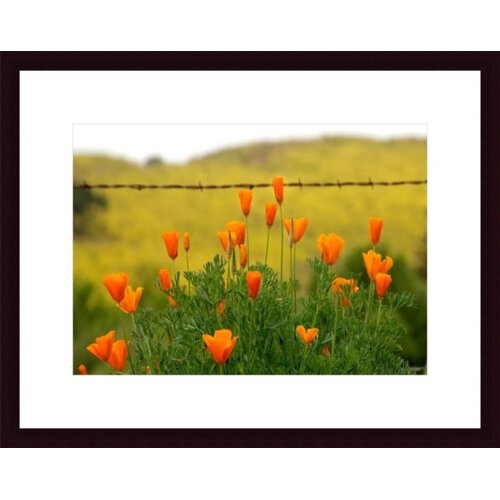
<point>127,235</point>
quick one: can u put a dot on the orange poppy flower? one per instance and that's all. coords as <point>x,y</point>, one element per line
<point>374,264</point>
<point>339,283</point>
<point>308,335</point>
<point>226,243</point>
<point>106,349</point>
<point>271,213</point>
<point>239,228</point>
<point>330,247</point>
<point>148,370</point>
<point>171,240</point>
<point>165,282</point>
<point>375,229</point>
<point>118,356</point>
<point>243,256</point>
<point>102,346</point>
<point>245,196</point>
<point>131,300</point>
<point>326,351</point>
<point>220,345</point>
<point>299,227</point>
<point>116,284</point>
<point>186,242</point>
<point>278,189</point>
<point>339,286</point>
<point>254,279</point>
<point>382,282</point>
<point>82,370</point>
<point>166,285</point>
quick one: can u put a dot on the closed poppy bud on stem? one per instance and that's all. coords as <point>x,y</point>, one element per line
<point>254,279</point>
<point>115,284</point>
<point>278,189</point>
<point>131,300</point>
<point>220,308</point>
<point>375,229</point>
<point>271,209</point>
<point>220,345</point>
<point>82,370</point>
<point>186,242</point>
<point>171,240</point>
<point>165,282</point>
<point>382,282</point>
<point>245,196</point>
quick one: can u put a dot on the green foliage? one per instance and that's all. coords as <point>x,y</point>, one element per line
<point>169,341</point>
<point>85,204</point>
<point>405,278</point>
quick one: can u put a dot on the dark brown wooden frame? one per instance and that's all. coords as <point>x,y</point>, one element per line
<point>488,63</point>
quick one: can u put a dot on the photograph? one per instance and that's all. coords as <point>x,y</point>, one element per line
<point>278,250</point>
<point>249,249</point>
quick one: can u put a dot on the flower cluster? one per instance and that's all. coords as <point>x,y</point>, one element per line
<point>127,300</point>
<point>235,244</point>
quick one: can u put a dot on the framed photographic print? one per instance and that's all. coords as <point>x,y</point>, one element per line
<point>272,249</point>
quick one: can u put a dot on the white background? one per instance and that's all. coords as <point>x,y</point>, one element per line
<point>261,25</point>
<point>52,101</point>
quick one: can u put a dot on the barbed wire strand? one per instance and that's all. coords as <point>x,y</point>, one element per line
<point>250,185</point>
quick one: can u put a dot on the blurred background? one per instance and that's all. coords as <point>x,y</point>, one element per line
<point>120,229</point>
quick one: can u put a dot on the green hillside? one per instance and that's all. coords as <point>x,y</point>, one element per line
<point>125,234</point>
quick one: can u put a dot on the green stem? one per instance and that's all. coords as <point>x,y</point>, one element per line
<point>187,265</point>
<point>370,298</point>
<point>319,298</point>
<point>303,360</point>
<point>267,245</point>
<point>334,335</point>
<point>292,281</point>
<point>233,262</point>
<point>221,369</point>
<point>295,284</point>
<point>253,329</point>
<point>248,241</point>
<point>175,276</point>
<point>228,271</point>
<point>130,357</point>
<point>378,314</point>
<point>281,217</point>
